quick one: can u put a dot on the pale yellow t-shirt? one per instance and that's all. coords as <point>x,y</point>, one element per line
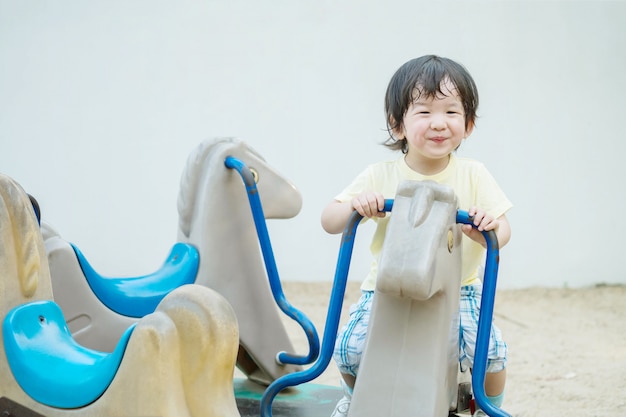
<point>472,183</point>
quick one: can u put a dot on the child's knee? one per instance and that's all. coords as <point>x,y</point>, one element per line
<point>348,363</point>
<point>497,365</point>
<point>496,359</point>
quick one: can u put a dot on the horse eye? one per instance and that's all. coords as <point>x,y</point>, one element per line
<point>255,174</point>
<point>450,241</point>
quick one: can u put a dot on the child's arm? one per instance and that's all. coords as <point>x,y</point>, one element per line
<point>485,222</point>
<point>336,214</point>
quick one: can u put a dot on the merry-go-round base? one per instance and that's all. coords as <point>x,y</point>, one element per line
<point>305,400</point>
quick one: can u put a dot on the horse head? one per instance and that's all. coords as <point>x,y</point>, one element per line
<point>205,173</point>
<point>413,331</point>
<point>421,234</point>
<point>23,261</point>
<point>215,216</point>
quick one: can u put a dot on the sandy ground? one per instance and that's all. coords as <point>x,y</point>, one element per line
<point>567,347</point>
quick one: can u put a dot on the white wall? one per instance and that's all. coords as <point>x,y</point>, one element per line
<point>102,100</point>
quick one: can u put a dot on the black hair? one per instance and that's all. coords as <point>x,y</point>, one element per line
<point>423,77</point>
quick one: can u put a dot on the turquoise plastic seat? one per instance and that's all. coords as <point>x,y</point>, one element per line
<point>139,296</point>
<point>49,365</point>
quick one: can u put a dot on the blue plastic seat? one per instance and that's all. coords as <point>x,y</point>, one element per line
<point>49,365</point>
<point>139,296</point>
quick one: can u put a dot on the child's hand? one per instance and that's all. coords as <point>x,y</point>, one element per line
<point>369,204</point>
<point>483,222</point>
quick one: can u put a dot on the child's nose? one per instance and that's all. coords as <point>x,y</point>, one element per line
<point>437,122</point>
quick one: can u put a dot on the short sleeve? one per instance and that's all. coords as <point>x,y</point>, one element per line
<point>489,195</point>
<point>362,182</point>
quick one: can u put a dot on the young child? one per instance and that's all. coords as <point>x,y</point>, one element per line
<point>430,107</point>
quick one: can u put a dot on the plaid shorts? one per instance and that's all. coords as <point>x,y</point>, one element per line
<point>469,312</point>
<point>350,341</point>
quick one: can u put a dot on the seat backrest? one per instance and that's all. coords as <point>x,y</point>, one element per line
<point>48,364</point>
<point>139,296</point>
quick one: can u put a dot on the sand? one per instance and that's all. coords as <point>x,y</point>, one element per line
<point>567,347</point>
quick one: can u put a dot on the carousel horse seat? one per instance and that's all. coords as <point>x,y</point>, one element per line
<point>214,218</point>
<point>139,296</point>
<point>49,365</point>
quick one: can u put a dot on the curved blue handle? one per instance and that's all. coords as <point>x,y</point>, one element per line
<point>332,318</point>
<point>485,319</point>
<point>272,271</point>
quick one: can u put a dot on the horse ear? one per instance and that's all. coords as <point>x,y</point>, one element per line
<point>21,228</point>
<point>421,204</point>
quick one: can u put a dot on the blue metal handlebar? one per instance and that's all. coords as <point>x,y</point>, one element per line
<point>485,319</point>
<point>272,270</point>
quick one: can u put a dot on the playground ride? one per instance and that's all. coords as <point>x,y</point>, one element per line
<point>291,394</point>
<point>175,362</point>
<point>217,248</point>
<point>424,250</point>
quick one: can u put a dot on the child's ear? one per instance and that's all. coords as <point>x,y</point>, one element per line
<point>398,131</point>
<point>469,129</point>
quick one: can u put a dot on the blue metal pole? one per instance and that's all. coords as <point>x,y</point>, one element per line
<point>272,270</point>
<point>485,319</point>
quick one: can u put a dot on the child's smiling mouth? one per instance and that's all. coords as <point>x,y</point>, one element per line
<point>438,139</point>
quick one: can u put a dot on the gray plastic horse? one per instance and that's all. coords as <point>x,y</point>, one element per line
<point>410,363</point>
<point>214,218</point>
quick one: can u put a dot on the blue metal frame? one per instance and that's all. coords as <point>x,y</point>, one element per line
<point>485,319</point>
<point>272,270</point>
<point>337,295</point>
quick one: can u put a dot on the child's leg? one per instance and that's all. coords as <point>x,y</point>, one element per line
<point>349,349</point>
<point>349,380</point>
<point>495,382</point>
<point>495,377</point>
<point>494,387</point>
<point>350,340</point>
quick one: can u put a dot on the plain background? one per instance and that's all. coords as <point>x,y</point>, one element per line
<point>101,101</point>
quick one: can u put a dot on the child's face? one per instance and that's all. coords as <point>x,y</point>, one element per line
<point>434,127</point>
